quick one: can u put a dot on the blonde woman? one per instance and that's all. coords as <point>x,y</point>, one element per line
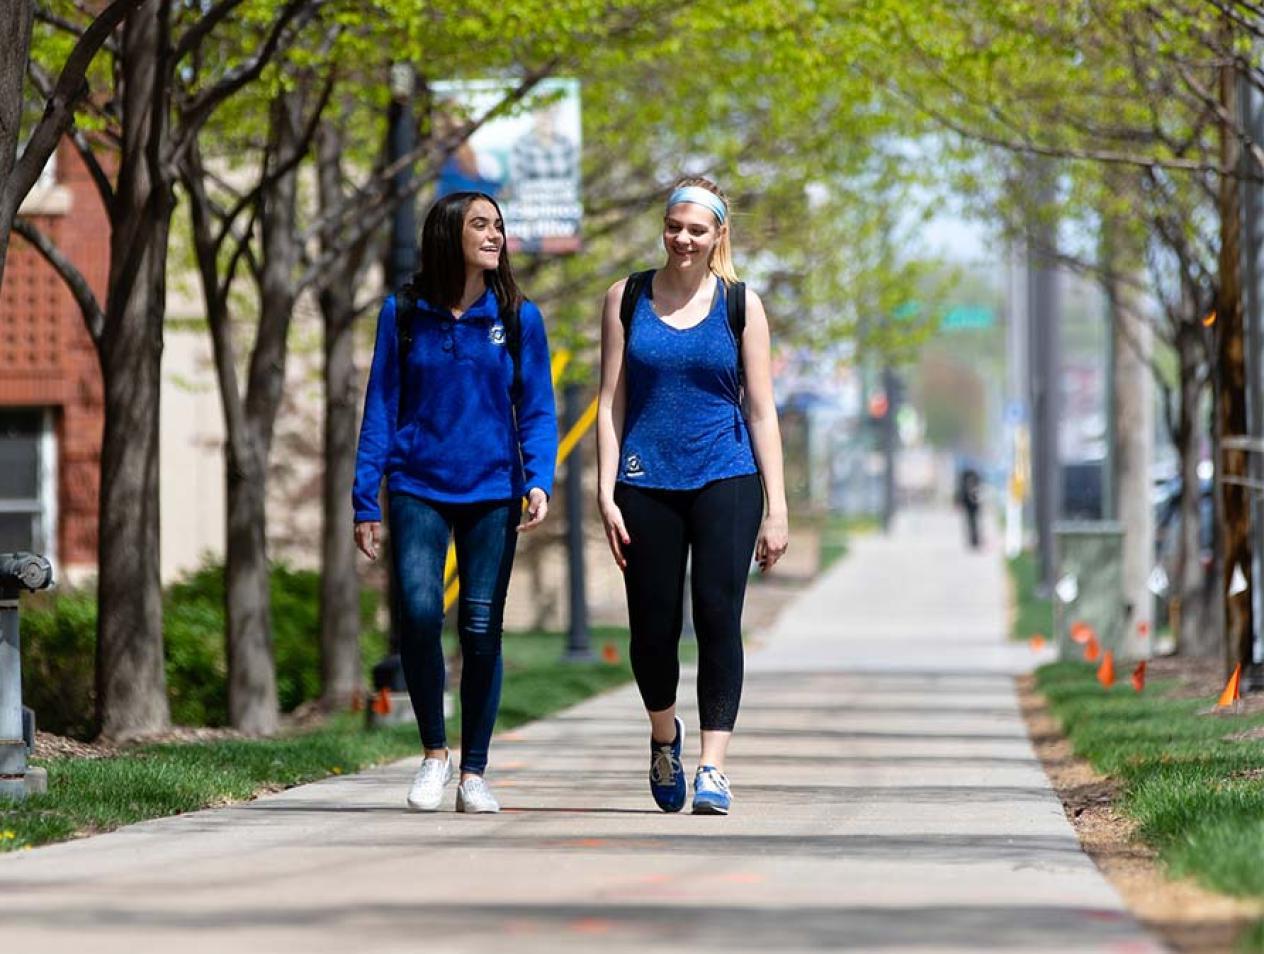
<point>685,472</point>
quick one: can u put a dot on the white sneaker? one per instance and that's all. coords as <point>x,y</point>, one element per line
<point>427,789</point>
<point>473,796</point>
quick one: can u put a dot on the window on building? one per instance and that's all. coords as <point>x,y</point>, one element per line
<point>27,481</point>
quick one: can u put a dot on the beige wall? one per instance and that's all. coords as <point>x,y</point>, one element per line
<point>192,480</point>
<point>192,460</point>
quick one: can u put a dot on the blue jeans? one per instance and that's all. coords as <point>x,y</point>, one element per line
<point>486,534</point>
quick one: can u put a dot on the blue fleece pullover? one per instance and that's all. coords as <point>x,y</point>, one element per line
<point>454,438</point>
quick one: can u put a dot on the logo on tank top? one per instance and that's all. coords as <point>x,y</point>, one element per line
<point>497,335</point>
<point>632,466</point>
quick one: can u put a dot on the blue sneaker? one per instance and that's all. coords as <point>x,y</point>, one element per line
<point>711,794</point>
<point>667,775</point>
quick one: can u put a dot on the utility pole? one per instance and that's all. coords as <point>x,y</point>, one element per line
<point>1132,434</point>
<point>1045,366</point>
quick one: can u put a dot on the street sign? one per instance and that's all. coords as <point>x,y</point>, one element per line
<point>968,318</point>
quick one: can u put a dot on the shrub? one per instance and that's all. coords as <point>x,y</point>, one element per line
<point>58,634</point>
<point>59,642</point>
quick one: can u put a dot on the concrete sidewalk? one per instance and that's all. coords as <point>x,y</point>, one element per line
<point>887,799</point>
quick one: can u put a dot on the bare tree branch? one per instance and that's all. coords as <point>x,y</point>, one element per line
<point>105,188</point>
<point>93,316</point>
<point>198,108</point>
<point>59,111</point>
<point>200,30</point>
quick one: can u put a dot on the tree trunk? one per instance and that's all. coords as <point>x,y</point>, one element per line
<point>339,586</point>
<point>131,683</point>
<point>252,691</point>
<point>252,695</point>
<point>1199,631</point>
<point>15,50</point>
<point>1134,449</point>
<point>1233,504</point>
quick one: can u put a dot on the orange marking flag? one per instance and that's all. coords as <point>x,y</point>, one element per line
<point>1138,676</point>
<point>1106,671</point>
<point>609,653</point>
<point>1081,632</point>
<point>1232,690</point>
<point>1092,650</point>
<point>1036,643</point>
<point>382,701</point>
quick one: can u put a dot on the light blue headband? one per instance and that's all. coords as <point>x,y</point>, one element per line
<point>700,196</point>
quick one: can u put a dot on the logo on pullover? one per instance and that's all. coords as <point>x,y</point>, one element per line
<point>497,335</point>
<point>633,466</point>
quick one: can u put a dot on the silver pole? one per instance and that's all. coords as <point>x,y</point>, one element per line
<point>18,571</point>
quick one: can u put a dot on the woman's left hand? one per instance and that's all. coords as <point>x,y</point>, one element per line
<point>537,510</point>
<point>774,537</point>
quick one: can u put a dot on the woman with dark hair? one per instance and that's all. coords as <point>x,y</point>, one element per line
<point>685,472</point>
<point>459,418</point>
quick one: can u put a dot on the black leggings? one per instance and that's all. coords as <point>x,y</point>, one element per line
<point>719,523</point>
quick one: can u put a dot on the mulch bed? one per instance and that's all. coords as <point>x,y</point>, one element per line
<point>1199,679</point>
<point>50,746</point>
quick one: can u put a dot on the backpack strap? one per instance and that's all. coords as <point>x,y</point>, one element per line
<point>735,303</point>
<point>631,295</point>
<point>513,339</point>
<point>404,307</point>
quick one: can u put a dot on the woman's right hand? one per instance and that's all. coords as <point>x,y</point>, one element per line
<point>368,536</point>
<point>616,532</point>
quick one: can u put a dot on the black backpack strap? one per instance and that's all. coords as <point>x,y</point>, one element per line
<point>404,307</point>
<point>513,338</point>
<point>735,302</point>
<point>631,295</point>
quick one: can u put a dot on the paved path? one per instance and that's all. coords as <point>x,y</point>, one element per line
<point>887,800</point>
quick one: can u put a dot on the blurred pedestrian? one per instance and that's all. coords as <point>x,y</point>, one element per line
<point>684,471</point>
<point>968,498</point>
<point>459,418</point>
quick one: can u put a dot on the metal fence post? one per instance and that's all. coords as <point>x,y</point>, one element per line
<point>18,571</point>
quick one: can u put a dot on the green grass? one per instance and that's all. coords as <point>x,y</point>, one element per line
<point>1196,794</point>
<point>1033,614</point>
<point>150,781</point>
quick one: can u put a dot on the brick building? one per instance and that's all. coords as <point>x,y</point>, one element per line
<point>50,384</point>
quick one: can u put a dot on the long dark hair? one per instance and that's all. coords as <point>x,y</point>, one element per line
<point>441,278</point>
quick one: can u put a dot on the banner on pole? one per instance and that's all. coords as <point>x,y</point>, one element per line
<point>526,158</point>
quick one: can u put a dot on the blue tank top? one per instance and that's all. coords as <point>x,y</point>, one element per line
<point>683,425</point>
